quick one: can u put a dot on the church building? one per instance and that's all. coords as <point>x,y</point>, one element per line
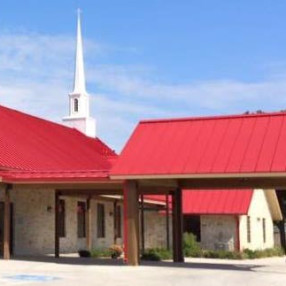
<point>63,189</point>
<point>55,191</point>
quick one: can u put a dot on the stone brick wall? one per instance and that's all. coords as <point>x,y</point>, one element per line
<point>34,223</point>
<point>218,232</point>
<point>108,240</point>
<point>155,230</point>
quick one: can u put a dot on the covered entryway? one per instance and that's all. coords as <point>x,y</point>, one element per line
<point>169,156</point>
<point>39,211</point>
<point>88,197</point>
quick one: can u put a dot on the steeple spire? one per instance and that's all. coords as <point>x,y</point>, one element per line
<point>79,117</point>
<point>79,76</point>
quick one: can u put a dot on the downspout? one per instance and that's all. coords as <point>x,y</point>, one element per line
<point>237,233</point>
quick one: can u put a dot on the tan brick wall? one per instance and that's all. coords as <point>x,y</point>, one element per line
<point>108,240</point>
<point>155,230</point>
<point>71,242</point>
<point>218,232</point>
<point>34,224</point>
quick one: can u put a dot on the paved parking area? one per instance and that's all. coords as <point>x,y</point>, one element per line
<point>198,272</point>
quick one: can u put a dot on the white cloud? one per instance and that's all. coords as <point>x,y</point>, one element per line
<point>36,74</point>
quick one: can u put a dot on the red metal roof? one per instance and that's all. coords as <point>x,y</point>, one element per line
<point>223,202</point>
<point>35,147</point>
<point>207,145</point>
<point>214,202</point>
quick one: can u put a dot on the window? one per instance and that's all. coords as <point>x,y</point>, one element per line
<point>81,207</point>
<point>75,105</point>
<point>264,229</point>
<point>248,229</point>
<point>117,221</point>
<point>62,218</point>
<point>100,221</point>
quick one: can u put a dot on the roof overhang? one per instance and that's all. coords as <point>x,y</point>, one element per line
<point>198,176</point>
<point>208,181</point>
<point>273,204</point>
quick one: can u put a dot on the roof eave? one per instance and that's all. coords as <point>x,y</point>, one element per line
<point>198,176</point>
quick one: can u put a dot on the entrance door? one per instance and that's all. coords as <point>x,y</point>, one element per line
<point>2,228</point>
<point>192,224</point>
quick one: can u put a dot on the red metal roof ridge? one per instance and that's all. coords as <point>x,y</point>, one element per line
<point>213,117</point>
<point>57,124</point>
<point>114,154</point>
<point>39,118</point>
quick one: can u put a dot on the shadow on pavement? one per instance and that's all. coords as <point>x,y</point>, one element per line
<point>204,265</point>
<point>119,262</point>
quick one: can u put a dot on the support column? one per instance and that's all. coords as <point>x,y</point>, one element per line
<point>281,226</point>
<point>142,223</point>
<point>167,223</point>
<point>7,223</point>
<point>115,226</point>
<point>88,224</point>
<point>178,255</point>
<point>57,224</point>
<point>131,223</point>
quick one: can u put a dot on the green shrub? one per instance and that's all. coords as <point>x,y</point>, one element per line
<point>150,255</point>
<point>250,254</point>
<point>84,253</point>
<point>156,254</point>
<point>100,252</point>
<point>246,254</point>
<point>268,252</point>
<point>190,245</point>
<point>223,254</point>
<point>276,251</point>
<point>164,253</point>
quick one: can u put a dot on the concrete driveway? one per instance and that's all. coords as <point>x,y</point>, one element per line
<point>198,272</point>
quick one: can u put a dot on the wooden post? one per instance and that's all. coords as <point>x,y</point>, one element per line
<point>88,224</point>
<point>131,223</point>
<point>7,223</point>
<point>281,226</point>
<point>57,224</point>
<point>115,226</point>
<point>142,224</point>
<point>178,255</point>
<point>167,223</point>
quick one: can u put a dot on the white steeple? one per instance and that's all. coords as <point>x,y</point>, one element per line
<point>79,77</point>
<point>79,99</point>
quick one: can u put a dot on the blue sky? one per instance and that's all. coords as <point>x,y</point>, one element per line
<point>144,59</point>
